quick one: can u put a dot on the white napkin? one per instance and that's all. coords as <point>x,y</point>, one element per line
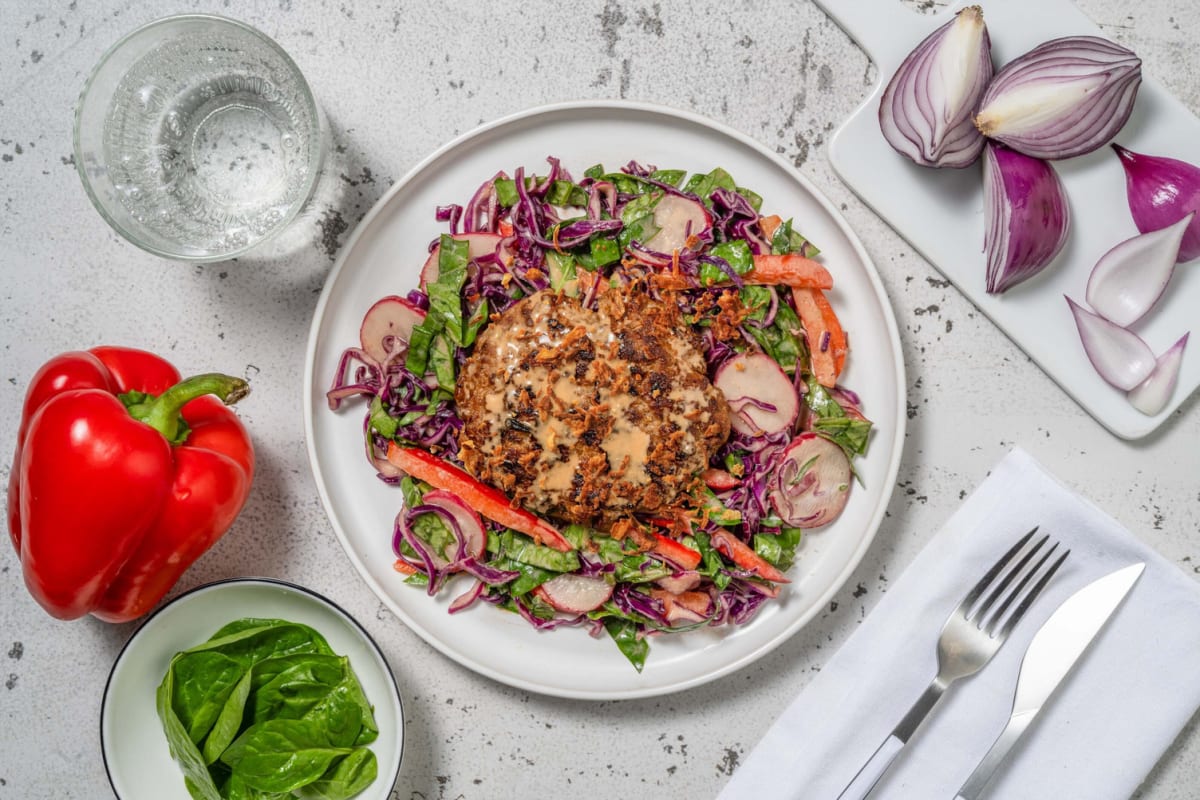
<point>1099,735</point>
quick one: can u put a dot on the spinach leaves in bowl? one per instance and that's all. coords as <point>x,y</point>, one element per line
<point>266,709</point>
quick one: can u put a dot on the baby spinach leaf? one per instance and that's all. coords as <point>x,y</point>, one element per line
<point>281,755</point>
<point>202,683</point>
<point>229,722</point>
<point>199,783</point>
<point>345,778</point>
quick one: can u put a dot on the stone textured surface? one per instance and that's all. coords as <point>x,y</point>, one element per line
<point>397,80</point>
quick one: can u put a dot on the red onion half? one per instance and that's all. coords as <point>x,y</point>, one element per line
<point>1026,217</point>
<point>1063,98</point>
<point>1162,191</point>
<point>925,112</point>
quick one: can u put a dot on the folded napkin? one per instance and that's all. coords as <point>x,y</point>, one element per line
<point>1099,735</point>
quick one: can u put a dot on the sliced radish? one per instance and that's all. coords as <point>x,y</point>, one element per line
<point>760,394</point>
<point>388,325</point>
<point>812,482</point>
<point>574,594</point>
<point>469,523</point>
<point>683,607</point>
<point>677,218</point>
<point>1119,355</point>
<point>1152,395</point>
<point>478,245</point>
<point>680,581</point>
<point>1128,280</point>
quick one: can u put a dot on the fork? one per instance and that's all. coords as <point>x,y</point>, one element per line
<point>972,634</point>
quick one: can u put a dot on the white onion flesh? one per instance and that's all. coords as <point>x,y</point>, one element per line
<point>926,110</point>
<point>1152,395</point>
<point>1063,98</point>
<point>1128,280</point>
<point>1119,355</point>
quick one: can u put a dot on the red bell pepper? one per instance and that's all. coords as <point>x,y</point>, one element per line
<point>487,500</point>
<point>123,476</point>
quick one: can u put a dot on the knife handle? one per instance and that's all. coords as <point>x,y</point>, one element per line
<point>873,770</point>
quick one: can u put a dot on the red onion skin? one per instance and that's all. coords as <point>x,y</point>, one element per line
<point>923,131</point>
<point>1161,191</point>
<point>1038,222</point>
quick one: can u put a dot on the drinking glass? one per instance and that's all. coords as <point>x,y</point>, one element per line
<point>197,138</point>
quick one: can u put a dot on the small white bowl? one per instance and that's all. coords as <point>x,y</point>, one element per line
<point>136,755</point>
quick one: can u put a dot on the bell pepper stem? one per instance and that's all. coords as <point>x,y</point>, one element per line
<point>162,412</point>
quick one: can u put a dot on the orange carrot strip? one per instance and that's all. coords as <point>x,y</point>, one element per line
<point>789,270</point>
<point>769,225</point>
<point>820,322</point>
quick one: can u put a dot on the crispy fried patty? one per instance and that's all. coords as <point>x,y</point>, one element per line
<point>588,416</point>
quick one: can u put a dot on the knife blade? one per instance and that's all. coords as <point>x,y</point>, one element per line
<point>1053,652</point>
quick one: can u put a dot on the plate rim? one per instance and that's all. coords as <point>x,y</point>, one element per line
<point>294,588</point>
<point>897,423</point>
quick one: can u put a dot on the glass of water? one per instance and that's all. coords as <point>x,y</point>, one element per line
<point>197,138</point>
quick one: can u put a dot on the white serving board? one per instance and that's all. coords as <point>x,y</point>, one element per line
<point>940,212</point>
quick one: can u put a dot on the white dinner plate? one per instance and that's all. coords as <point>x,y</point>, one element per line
<point>136,754</point>
<point>384,256</point>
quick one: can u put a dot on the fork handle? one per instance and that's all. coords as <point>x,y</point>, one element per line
<point>870,772</point>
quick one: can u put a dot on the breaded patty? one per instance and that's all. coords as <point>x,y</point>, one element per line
<point>588,416</point>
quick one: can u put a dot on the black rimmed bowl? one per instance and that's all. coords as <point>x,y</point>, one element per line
<point>136,755</point>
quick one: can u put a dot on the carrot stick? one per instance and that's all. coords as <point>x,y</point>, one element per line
<point>768,225</point>
<point>826,338</point>
<point>789,270</point>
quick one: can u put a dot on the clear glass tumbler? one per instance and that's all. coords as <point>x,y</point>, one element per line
<point>197,138</point>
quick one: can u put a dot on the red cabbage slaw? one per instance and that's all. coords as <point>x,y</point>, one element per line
<point>519,235</point>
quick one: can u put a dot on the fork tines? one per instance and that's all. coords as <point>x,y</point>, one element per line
<point>1023,580</point>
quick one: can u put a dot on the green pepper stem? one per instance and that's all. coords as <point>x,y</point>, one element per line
<point>162,412</point>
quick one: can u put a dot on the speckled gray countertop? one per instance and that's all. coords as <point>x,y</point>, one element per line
<point>397,80</point>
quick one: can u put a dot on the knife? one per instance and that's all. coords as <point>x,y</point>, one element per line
<point>1055,649</point>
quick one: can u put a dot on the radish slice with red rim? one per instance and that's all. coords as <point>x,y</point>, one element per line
<point>575,594</point>
<point>478,246</point>
<point>677,217</point>
<point>1120,356</point>
<point>387,327</point>
<point>812,482</point>
<point>1128,280</point>
<point>760,394</point>
<point>474,539</point>
<point>1152,395</point>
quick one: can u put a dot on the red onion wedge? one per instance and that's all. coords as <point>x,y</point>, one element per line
<point>1162,191</point>
<point>1118,354</point>
<point>1063,98</point>
<point>1128,280</point>
<point>1026,216</point>
<point>1152,395</point>
<point>925,111</point>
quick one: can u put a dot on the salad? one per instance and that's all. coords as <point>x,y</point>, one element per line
<point>612,402</point>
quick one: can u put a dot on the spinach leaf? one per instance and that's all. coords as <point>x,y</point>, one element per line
<point>281,755</point>
<point>229,721</point>
<point>781,339</point>
<point>196,778</point>
<point>202,683</point>
<point>625,633</point>
<point>345,778</point>
<point>521,548</point>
